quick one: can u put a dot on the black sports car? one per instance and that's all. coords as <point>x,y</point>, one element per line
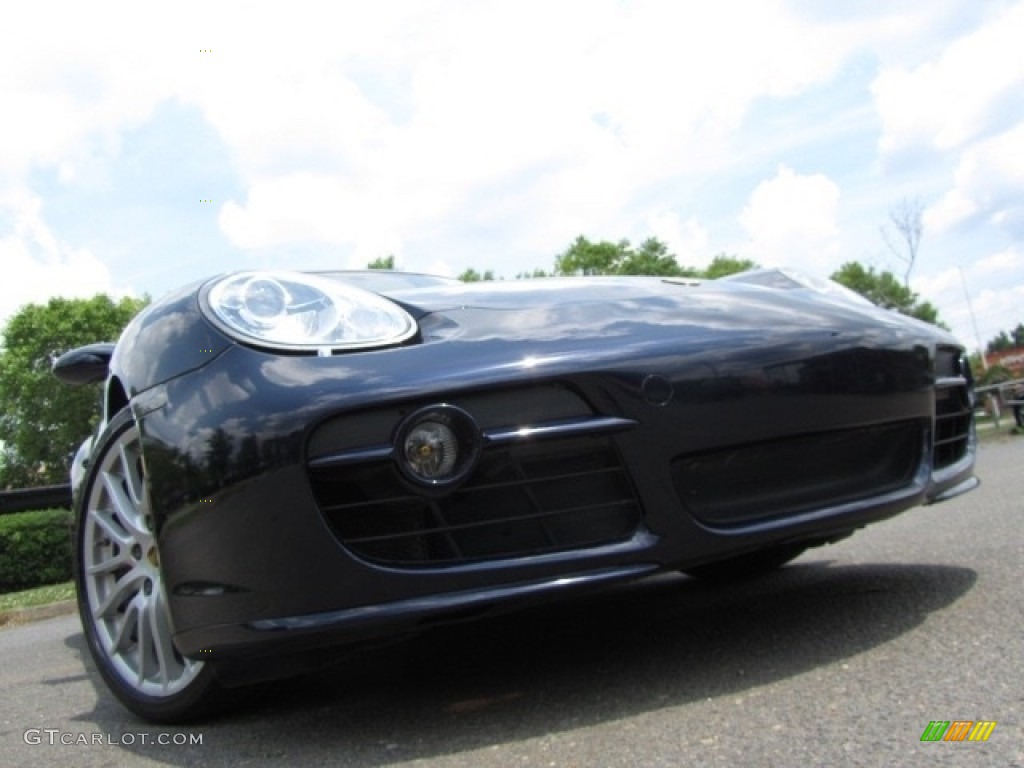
<point>291,462</point>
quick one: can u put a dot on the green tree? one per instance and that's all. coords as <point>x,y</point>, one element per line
<point>472,276</point>
<point>651,258</point>
<point>723,264</point>
<point>994,374</point>
<point>382,262</point>
<point>883,289</point>
<point>584,257</point>
<point>535,273</point>
<point>220,447</point>
<point>1006,340</point>
<point>1000,343</point>
<point>42,421</point>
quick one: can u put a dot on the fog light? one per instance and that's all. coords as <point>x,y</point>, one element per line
<point>431,449</point>
<point>437,446</point>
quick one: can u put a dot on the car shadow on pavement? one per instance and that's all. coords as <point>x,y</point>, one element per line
<point>661,642</point>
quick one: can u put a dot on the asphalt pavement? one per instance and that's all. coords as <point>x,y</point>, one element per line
<point>841,659</point>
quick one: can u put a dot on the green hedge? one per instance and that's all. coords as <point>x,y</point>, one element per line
<point>35,549</point>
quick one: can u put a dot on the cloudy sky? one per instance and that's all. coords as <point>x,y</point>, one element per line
<point>144,145</point>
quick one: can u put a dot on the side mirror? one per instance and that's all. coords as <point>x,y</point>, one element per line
<point>85,365</point>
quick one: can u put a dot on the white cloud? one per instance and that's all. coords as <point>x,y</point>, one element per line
<point>985,293</point>
<point>298,207</point>
<point>75,76</point>
<point>934,286</point>
<point>954,207</point>
<point>574,106</point>
<point>953,98</point>
<point>38,265</point>
<point>440,267</point>
<point>994,309</point>
<point>989,183</point>
<point>688,240</point>
<point>791,221</point>
<point>1009,261</point>
<point>490,134</point>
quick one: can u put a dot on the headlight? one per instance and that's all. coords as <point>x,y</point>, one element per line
<point>304,312</point>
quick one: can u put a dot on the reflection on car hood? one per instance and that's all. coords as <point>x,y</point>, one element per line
<point>761,290</point>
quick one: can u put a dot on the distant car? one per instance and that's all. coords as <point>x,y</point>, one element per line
<point>289,462</point>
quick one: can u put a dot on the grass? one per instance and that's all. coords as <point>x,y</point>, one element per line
<point>51,593</point>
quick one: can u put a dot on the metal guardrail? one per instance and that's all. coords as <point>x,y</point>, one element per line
<point>43,497</point>
<point>1001,387</point>
<point>995,397</point>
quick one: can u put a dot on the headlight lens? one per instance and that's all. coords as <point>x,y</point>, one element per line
<point>305,312</point>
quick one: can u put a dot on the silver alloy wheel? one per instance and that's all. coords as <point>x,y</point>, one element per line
<point>120,572</point>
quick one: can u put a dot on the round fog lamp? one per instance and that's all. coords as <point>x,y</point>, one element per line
<point>437,446</point>
<point>431,449</point>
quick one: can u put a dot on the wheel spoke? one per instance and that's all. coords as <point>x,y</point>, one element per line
<point>125,508</point>
<point>142,641</point>
<point>132,475</point>
<point>123,588</point>
<point>104,519</point>
<point>122,559</point>
<point>163,650</point>
<point>121,639</point>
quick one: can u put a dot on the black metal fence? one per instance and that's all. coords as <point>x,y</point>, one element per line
<point>43,497</point>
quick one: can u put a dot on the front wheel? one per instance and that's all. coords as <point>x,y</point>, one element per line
<point>122,597</point>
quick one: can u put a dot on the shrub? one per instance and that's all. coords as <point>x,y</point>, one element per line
<point>35,549</point>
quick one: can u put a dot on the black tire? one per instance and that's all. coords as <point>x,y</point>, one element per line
<point>749,565</point>
<point>121,596</point>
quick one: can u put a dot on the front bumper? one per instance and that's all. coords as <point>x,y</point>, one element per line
<point>285,526</point>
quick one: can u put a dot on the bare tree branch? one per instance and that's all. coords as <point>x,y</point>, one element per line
<point>904,238</point>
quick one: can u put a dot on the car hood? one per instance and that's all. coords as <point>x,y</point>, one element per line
<point>572,319</point>
<point>761,300</point>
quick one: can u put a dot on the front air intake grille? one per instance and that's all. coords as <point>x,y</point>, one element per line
<point>781,478</point>
<point>953,408</point>
<point>524,499</point>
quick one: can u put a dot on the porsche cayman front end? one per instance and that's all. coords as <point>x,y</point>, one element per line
<point>293,463</point>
